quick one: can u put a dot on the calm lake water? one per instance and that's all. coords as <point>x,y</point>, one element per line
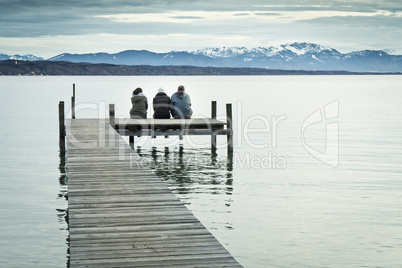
<point>315,179</point>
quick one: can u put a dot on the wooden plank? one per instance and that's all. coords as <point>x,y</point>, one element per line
<point>154,242</point>
<point>146,123</point>
<point>121,214</point>
<point>149,252</point>
<point>210,260</point>
<point>170,132</point>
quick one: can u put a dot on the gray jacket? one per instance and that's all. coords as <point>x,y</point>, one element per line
<point>181,105</point>
<point>140,106</point>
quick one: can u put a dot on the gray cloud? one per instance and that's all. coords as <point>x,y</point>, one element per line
<point>38,18</point>
<point>268,14</point>
<point>346,32</point>
<point>242,14</point>
<point>187,17</point>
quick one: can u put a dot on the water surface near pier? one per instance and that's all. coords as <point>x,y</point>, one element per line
<point>271,203</point>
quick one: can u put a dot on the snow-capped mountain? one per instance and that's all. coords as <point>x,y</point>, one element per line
<point>139,57</point>
<point>304,56</point>
<point>27,57</point>
<point>222,52</point>
<point>293,56</point>
<point>293,48</point>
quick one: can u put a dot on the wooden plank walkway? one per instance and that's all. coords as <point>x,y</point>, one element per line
<point>122,215</point>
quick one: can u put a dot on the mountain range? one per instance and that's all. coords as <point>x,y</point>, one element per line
<point>28,57</point>
<point>294,56</point>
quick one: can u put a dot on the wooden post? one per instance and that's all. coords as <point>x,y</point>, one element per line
<point>182,127</point>
<point>62,128</point>
<point>112,119</point>
<point>73,103</point>
<point>213,109</point>
<point>213,116</point>
<point>229,126</point>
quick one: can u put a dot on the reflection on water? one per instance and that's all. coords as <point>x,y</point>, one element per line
<point>201,178</point>
<point>62,213</point>
<point>189,170</point>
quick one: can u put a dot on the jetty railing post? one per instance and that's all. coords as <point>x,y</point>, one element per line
<point>112,117</point>
<point>213,116</point>
<point>62,128</point>
<point>213,109</point>
<point>73,103</point>
<point>229,127</point>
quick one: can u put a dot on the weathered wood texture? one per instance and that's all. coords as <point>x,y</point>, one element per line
<point>122,215</point>
<point>166,124</point>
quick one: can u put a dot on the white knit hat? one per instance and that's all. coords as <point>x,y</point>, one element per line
<point>161,89</point>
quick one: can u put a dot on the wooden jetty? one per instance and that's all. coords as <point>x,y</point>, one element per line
<point>120,214</point>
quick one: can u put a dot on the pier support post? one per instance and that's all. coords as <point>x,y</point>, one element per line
<point>112,119</point>
<point>229,127</point>
<point>73,103</point>
<point>131,141</point>
<point>62,129</point>
<point>181,135</point>
<point>213,116</point>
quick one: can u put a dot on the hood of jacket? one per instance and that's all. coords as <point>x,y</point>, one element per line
<point>137,98</point>
<point>181,94</point>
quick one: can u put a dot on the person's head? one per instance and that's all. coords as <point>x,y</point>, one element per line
<point>137,90</point>
<point>181,88</point>
<point>161,90</point>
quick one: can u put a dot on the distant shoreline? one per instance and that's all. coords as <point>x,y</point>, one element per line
<point>63,68</point>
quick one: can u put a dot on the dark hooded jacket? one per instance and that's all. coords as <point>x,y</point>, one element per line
<point>161,105</point>
<point>140,106</point>
<point>181,105</point>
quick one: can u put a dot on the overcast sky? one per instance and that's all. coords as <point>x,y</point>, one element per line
<point>49,27</point>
